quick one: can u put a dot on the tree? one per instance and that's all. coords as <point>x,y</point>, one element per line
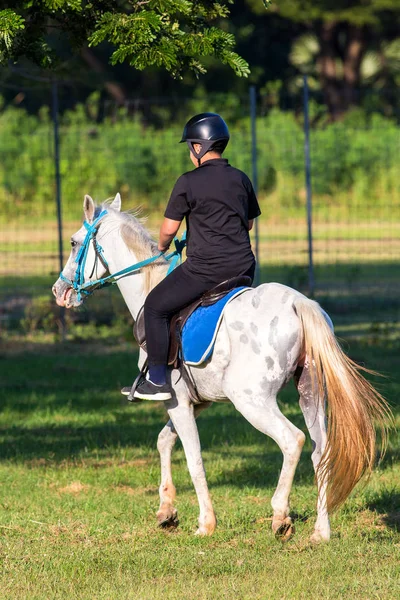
<point>172,34</point>
<point>343,32</point>
<point>379,66</point>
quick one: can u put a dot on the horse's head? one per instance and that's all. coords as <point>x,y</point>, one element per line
<point>86,262</point>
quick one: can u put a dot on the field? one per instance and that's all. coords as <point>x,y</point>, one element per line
<point>80,474</point>
<point>351,258</point>
<point>80,470</point>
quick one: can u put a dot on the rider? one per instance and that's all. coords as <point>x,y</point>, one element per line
<point>219,205</point>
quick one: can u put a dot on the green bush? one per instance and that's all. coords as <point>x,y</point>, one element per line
<point>41,314</point>
<point>105,317</point>
<point>355,160</point>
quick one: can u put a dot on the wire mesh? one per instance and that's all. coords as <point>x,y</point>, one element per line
<point>135,150</point>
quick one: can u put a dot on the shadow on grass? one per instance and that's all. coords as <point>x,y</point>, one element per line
<point>66,405</point>
<point>60,407</point>
<point>53,445</point>
<point>387,504</point>
<point>364,292</point>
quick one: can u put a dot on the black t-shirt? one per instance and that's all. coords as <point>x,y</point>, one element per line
<point>217,201</point>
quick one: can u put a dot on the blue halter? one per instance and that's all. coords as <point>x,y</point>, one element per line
<point>87,288</point>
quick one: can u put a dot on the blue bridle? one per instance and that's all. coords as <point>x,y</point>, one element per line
<point>87,288</point>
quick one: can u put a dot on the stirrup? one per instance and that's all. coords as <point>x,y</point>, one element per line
<point>142,373</point>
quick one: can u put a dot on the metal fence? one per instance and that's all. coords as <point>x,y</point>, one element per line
<point>330,195</point>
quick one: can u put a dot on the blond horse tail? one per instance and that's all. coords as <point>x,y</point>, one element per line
<point>354,406</point>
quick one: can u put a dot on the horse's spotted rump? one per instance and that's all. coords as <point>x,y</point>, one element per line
<point>283,358</point>
<point>270,362</point>
<point>273,333</point>
<point>254,328</point>
<point>243,338</point>
<point>256,301</point>
<point>237,325</point>
<point>292,340</point>
<point>266,386</point>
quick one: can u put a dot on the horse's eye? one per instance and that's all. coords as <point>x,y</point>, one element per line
<point>73,243</point>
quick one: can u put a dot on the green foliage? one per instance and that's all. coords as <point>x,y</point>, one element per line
<point>108,322</point>
<point>41,314</point>
<point>344,46</point>
<point>171,34</point>
<point>377,67</point>
<point>384,334</point>
<point>357,158</point>
<point>357,12</point>
<point>10,24</point>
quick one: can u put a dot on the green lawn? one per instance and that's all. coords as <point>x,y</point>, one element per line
<point>80,472</point>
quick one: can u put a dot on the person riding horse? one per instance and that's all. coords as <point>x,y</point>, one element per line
<point>219,205</point>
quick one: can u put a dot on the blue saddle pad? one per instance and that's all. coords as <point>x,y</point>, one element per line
<point>201,328</point>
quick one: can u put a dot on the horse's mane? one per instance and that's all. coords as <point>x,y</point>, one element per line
<point>138,239</point>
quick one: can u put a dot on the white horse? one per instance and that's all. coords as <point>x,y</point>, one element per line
<point>267,335</point>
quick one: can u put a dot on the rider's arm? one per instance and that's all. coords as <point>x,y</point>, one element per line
<point>177,209</point>
<point>253,206</point>
<point>168,230</point>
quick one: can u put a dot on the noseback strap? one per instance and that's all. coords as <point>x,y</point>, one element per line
<point>88,287</point>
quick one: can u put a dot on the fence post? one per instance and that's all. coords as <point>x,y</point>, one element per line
<point>253,115</point>
<point>311,281</point>
<point>58,192</point>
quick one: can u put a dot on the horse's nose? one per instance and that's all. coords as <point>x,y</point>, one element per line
<point>53,289</point>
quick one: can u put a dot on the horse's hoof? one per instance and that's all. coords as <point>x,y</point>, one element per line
<point>318,538</point>
<point>168,520</point>
<point>202,531</point>
<point>207,528</point>
<point>283,530</point>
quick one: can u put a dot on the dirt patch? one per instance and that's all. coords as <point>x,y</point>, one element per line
<point>75,488</point>
<point>263,520</point>
<point>114,463</point>
<point>256,500</point>
<point>130,491</point>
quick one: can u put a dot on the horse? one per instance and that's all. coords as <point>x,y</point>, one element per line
<point>268,335</point>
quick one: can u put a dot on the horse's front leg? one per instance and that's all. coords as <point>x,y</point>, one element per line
<point>167,515</point>
<point>182,415</point>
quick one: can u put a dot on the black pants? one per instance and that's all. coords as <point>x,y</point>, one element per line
<point>177,290</point>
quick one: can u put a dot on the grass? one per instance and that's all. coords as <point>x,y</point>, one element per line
<point>80,472</point>
<point>32,249</point>
<point>356,267</point>
<point>356,263</point>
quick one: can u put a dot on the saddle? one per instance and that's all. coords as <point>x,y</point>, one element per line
<point>179,319</point>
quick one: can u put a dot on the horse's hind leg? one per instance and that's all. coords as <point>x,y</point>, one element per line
<point>313,409</point>
<point>167,515</point>
<point>263,413</point>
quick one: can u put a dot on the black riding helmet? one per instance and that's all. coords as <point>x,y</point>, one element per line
<point>207,129</point>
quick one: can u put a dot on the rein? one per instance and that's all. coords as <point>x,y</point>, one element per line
<point>87,288</point>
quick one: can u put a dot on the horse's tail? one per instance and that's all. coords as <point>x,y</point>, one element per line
<point>354,406</point>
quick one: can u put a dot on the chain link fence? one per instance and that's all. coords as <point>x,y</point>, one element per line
<point>133,149</point>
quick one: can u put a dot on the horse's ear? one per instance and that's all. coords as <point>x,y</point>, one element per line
<point>116,203</point>
<point>88,208</point>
